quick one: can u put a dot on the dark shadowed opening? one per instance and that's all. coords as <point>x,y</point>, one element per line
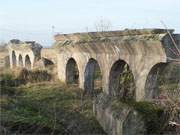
<point>13,59</point>
<point>20,61</point>
<point>153,81</point>
<point>27,62</point>
<point>121,83</point>
<point>93,77</point>
<point>47,62</point>
<point>72,72</point>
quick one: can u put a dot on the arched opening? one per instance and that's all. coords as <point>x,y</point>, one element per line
<point>72,72</point>
<point>47,62</point>
<point>20,61</point>
<point>13,59</point>
<point>152,86</point>
<point>121,81</point>
<point>27,62</point>
<point>93,77</point>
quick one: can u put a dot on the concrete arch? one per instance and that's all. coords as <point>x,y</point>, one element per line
<point>28,63</point>
<point>20,60</point>
<point>14,60</point>
<point>72,72</point>
<point>47,62</point>
<point>121,81</point>
<point>93,77</point>
<point>152,81</point>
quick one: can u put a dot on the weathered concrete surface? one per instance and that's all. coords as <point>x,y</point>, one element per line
<point>23,54</point>
<point>140,49</point>
<point>50,54</point>
<point>166,81</point>
<point>170,49</point>
<point>121,120</point>
<point>146,52</point>
<point>177,39</point>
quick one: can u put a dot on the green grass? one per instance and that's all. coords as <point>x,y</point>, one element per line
<point>47,108</point>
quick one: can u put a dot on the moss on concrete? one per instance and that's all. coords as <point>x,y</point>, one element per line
<point>150,113</point>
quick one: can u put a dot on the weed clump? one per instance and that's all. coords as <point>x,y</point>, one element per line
<point>34,75</point>
<point>49,108</point>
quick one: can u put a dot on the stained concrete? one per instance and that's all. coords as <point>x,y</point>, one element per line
<point>23,54</point>
<point>140,49</point>
<point>121,120</point>
<point>145,52</point>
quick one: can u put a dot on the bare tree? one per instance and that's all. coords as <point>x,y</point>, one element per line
<point>103,25</point>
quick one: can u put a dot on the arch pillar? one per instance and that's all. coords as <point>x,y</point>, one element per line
<point>140,81</point>
<point>61,67</point>
<point>17,59</point>
<point>10,59</point>
<point>81,78</point>
<point>23,59</point>
<point>32,61</point>
<point>105,81</point>
<point>81,63</point>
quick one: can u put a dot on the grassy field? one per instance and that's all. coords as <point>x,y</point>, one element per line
<point>33,102</point>
<point>46,108</point>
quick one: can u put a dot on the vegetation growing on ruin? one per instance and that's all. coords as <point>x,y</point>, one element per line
<point>151,113</point>
<point>23,76</point>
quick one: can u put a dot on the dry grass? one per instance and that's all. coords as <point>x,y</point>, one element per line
<point>48,108</point>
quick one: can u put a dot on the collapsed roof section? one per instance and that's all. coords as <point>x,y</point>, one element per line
<point>25,47</point>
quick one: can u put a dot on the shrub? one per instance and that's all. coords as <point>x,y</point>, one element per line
<point>6,76</point>
<point>34,75</point>
<point>9,79</point>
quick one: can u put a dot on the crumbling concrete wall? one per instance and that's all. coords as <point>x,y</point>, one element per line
<point>141,50</point>
<point>177,39</point>
<point>171,44</point>
<point>28,50</point>
<point>146,52</point>
<point>117,118</point>
<point>50,54</point>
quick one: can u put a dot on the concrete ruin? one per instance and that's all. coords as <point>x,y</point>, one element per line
<point>144,52</point>
<point>49,55</point>
<point>24,54</point>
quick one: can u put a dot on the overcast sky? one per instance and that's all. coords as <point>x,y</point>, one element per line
<point>33,19</point>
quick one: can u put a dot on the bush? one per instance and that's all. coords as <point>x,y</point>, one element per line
<point>6,77</point>
<point>34,76</point>
<point>9,79</point>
